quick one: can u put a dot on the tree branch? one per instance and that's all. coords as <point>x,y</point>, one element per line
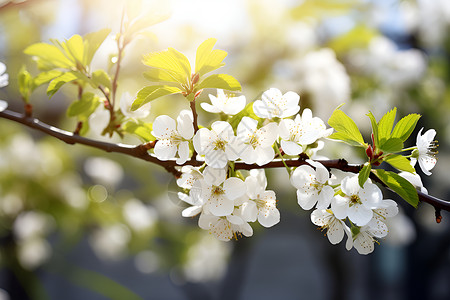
<point>141,152</point>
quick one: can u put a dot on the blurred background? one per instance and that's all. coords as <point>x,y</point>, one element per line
<point>78,223</point>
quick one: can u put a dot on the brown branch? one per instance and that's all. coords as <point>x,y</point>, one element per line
<point>141,152</point>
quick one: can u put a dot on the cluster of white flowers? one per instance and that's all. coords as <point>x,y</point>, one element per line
<point>227,200</point>
<point>363,207</point>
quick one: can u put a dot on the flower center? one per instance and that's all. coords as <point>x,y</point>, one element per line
<point>354,199</point>
<point>217,191</point>
<point>254,140</point>
<point>176,139</point>
<point>219,145</point>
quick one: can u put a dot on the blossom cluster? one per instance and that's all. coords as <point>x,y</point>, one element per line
<point>228,199</point>
<point>346,207</point>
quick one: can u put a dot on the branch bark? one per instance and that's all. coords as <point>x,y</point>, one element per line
<point>141,152</point>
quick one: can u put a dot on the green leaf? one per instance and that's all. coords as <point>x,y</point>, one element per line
<point>153,92</point>
<point>142,130</point>
<point>373,121</point>
<point>101,78</point>
<point>92,42</point>
<point>83,107</point>
<point>399,185</point>
<point>45,77</point>
<point>26,84</point>
<point>364,174</point>
<point>59,81</point>
<point>385,125</point>
<point>220,81</point>
<point>171,61</point>
<point>207,59</point>
<point>343,137</point>
<point>159,75</point>
<point>347,131</point>
<point>75,48</point>
<point>399,162</point>
<point>49,56</point>
<point>391,145</point>
<point>405,127</point>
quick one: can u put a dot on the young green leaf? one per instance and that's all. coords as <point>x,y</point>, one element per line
<point>92,42</point>
<point>385,125</point>
<point>26,84</point>
<point>373,121</point>
<point>391,145</point>
<point>405,127</point>
<point>346,129</point>
<point>171,61</point>
<point>45,77</point>
<point>59,81</point>
<point>207,59</point>
<point>101,78</point>
<point>83,107</point>
<point>364,174</point>
<point>160,75</point>
<point>220,81</point>
<point>399,162</point>
<point>399,185</point>
<point>48,56</point>
<point>75,48</point>
<point>153,92</point>
<point>142,130</point>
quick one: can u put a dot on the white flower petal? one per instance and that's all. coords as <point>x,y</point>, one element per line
<point>183,152</point>
<point>359,214</point>
<point>165,149</point>
<point>264,155</point>
<point>209,108</point>
<point>339,206</point>
<point>234,188</point>
<point>335,232</point>
<point>191,211</point>
<point>163,126</point>
<point>214,176</point>
<point>350,185</point>
<point>220,205</point>
<point>185,124</point>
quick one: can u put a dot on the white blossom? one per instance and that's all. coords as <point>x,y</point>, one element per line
<point>261,202</point>
<point>217,145</point>
<point>274,104</point>
<point>326,219</point>
<point>173,137</point>
<point>224,103</point>
<point>189,175</point>
<point>425,153</point>
<point>302,131</point>
<point>312,185</point>
<point>357,204</point>
<point>226,227</point>
<point>256,143</point>
<point>214,194</point>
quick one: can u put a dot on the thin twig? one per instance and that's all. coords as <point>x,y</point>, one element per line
<point>141,152</point>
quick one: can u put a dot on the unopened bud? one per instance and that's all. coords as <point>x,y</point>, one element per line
<point>369,152</point>
<point>194,78</point>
